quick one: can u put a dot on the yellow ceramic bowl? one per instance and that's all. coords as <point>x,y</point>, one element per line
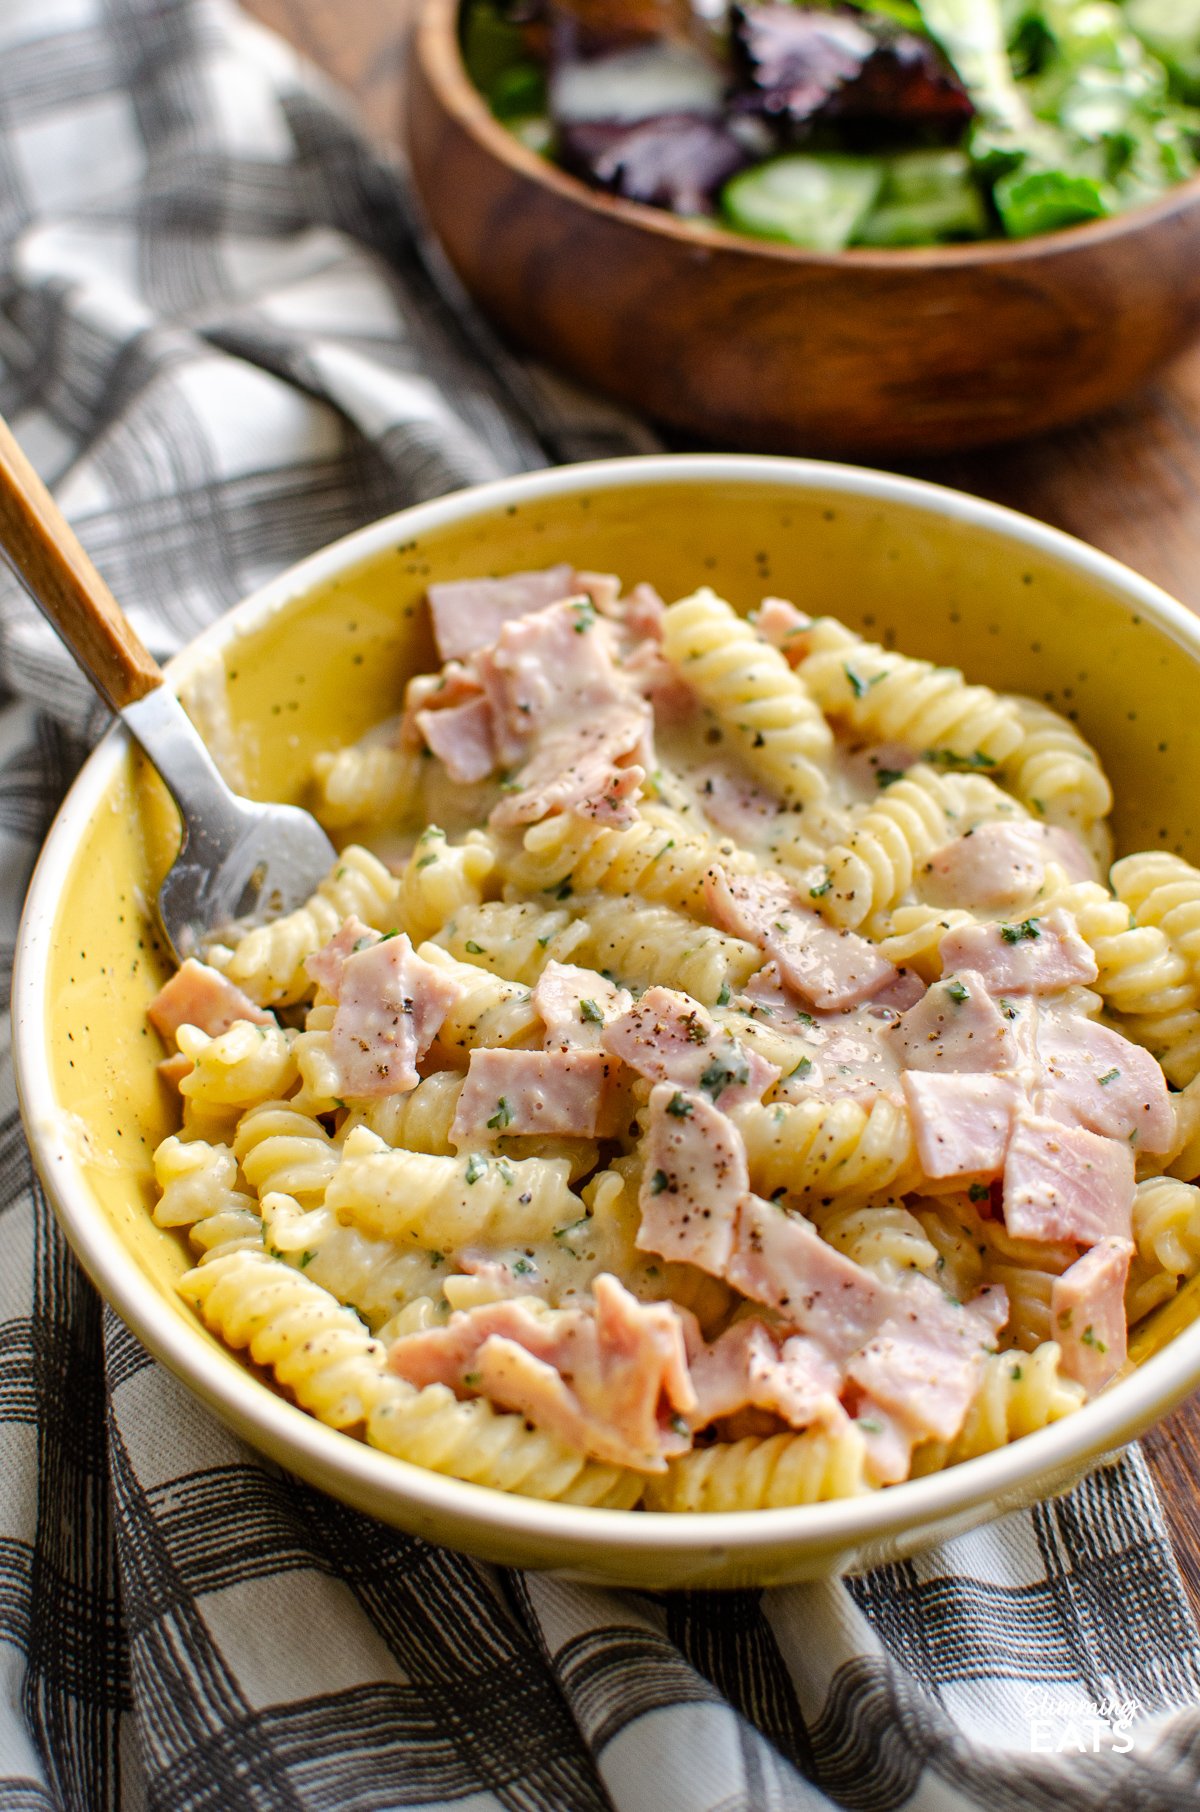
<point>312,660</point>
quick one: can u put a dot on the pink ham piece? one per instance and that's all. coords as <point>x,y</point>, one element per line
<point>575,1005</point>
<point>508,1093</point>
<point>1036,956</point>
<point>826,967</point>
<point>780,1260</point>
<point>1062,1183</point>
<point>173,1069</point>
<point>428,694</point>
<point>610,1381</point>
<point>888,1443</point>
<point>1091,1076</point>
<point>923,1364</point>
<point>390,1007</point>
<point>955,1026</point>
<point>197,995</point>
<point>554,669</point>
<point>998,866</point>
<point>781,624</point>
<point>961,1123</point>
<point>468,614</point>
<point>461,737</point>
<point>668,1037</point>
<point>694,1180</point>
<point>751,1367</point>
<point>731,800</point>
<point>1087,1314</point>
<point>582,767</point>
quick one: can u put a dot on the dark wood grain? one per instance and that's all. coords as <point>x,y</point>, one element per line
<point>1128,482</point>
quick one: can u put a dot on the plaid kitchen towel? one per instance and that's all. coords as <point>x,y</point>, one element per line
<point>219,343</point>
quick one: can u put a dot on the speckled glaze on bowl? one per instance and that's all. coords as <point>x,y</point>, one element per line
<point>321,653</point>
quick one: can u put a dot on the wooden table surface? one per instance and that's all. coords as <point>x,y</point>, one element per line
<point>1129,483</point>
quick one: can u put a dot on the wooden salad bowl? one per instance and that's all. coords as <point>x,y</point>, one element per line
<point>752,344</point>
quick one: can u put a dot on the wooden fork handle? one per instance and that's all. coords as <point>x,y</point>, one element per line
<point>39,544</point>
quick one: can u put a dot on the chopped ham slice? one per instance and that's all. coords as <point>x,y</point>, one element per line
<point>197,995</point>
<point>390,1007</point>
<point>961,1123</point>
<point>507,1093</point>
<point>1087,1314</point>
<point>1064,1183</point>
<point>694,1180</point>
<point>826,967</point>
<point>577,767</point>
<point>750,1367</point>
<point>468,614</point>
<point>174,1068</point>
<point>1037,956</point>
<point>611,1381</point>
<point>888,1443</point>
<point>668,1037</point>
<point>553,669</point>
<point>780,1259</point>
<point>575,1005</point>
<point>431,693</point>
<point>923,1364</point>
<point>462,738</point>
<point>731,800</point>
<point>991,868</point>
<point>955,1026</point>
<point>1091,1076</point>
<point>781,624</point>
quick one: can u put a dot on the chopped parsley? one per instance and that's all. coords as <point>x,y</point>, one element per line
<point>1089,1338</point>
<point>979,1192</point>
<point>426,860</point>
<point>858,685</point>
<point>802,1068</point>
<point>589,1011</point>
<point>506,1170</point>
<point>814,893</point>
<point>888,776</point>
<point>658,1182</point>
<point>870,1425</point>
<point>1017,934</point>
<point>523,1268</point>
<point>680,1425</point>
<point>471,1379</point>
<point>387,935</point>
<point>476,1167</point>
<point>585,614</point>
<point>501,1118</point>
<point>306,1259</point>
<point>1016,1374</point>
<point>946,758</point>
<point>1108,1076</point>
<point>957,992</point>
<point>680,1107</point>
<point>731,1071</point>
<point>724,997</point>
<point>472,948</point>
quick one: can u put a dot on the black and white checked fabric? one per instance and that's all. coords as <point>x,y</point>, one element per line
<point>218,342</point>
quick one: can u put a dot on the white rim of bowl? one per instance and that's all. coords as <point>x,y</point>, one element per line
<point>1005,1476</point>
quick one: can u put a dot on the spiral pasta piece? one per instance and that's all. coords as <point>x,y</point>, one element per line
<point>1163,890</point>
<point>911,936</point>
<point>828,1147</point>
<point>654,857</point>
<point>317,1349</point>
<point>373,1277</point>
<point>489,1010</point>
<point>369,782</point>
<point>780,730</point>
<point>446,1203</point>
<point>247,1063</point>
<point>198,1184</point>
<point>1166,1234</point>
<point>1055,772</point>
<point>514,939</point>
<point>419,1120</point>
<point>638,943</point>
<point>268,962</point>
<point>763,1473</point>
<point>1139,971</point>
<point>1018,1394</point>
<point>440,878</point>
<point>881,1236</point>
<point>895,698</point>
<point>898,832</point>
<point>281,1148</point>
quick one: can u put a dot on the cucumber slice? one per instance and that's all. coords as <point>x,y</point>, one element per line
<point>927,196</point>
<point>805,199</point>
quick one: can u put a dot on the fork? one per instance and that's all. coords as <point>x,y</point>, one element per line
<point>238,860</point>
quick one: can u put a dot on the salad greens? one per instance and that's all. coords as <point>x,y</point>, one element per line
<point>871,122</point>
